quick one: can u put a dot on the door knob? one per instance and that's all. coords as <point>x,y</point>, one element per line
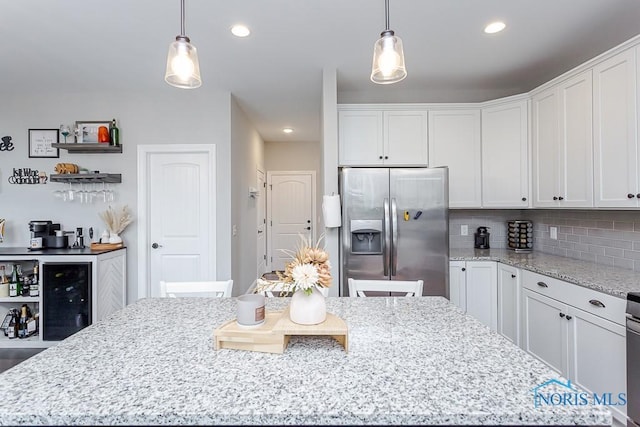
<point>560,198</point>
<point>308,221</point>
<point>630,196</point>
<point>308,228</point>
<point>154,245</point>
<point>555,198</point>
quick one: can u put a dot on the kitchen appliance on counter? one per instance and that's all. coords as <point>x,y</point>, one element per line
<point>395,226</point>
<point>633,359</point>
<point>520,235</point>
<point>46,234</point>
<point>481,238</point>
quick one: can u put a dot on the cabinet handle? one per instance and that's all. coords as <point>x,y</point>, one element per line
<point>596,303</point>
<point>638,195</point>
<point>560,198</point>
<point>464,269</point>
<point>308,228</point>
<point>524,199</point>
<point>156,246</point>
<point>380,157</point>
<point>569,317</point>
<point>631,196</point>
<point>543,285</point>
<point>513,276</point>
<point>386,157</point>
<point>561,314</point>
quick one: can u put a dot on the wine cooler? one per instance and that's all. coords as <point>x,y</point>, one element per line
<point>66,299</point>
<point>520,235</point>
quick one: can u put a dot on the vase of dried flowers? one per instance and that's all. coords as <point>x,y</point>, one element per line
<point>116,221</point>
<point>305,275</point>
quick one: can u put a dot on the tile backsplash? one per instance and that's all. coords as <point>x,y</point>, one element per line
<point>600,236</point>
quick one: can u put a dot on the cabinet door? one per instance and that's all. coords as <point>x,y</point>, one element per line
<point>597,349</point>
<point>509,303</point>
<point>546,148</point>
<point>454,141</point>
<point>545,330</point>
<point>405,138</point>
<point>360,138</point>
<point>482,292</point>
<point>505,158</point>
<point>615,131</point>
<point>576,186</point>
<point>457,280</point>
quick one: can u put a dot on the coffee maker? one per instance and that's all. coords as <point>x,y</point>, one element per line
<point>45,234</point>
<point>482,238</point>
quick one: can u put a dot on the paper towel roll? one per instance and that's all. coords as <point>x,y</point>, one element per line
<point>331,211</point>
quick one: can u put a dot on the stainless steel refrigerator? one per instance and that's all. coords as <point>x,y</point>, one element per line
<point>395,226</point>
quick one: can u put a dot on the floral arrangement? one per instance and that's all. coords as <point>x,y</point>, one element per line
<point>308,268</point>
<point>117,221</point>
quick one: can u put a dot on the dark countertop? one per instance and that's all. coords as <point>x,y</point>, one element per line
<point>20,251</point>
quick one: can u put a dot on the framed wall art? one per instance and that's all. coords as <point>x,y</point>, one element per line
<point>92,132</point>
<point>40,141</point>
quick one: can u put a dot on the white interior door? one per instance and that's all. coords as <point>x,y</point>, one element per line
<point>261,252</point>
<point>177,209</point>
<point>291,213</point>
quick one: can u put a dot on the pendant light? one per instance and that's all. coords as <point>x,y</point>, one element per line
<point>183,69</point>
<point>388,57</point>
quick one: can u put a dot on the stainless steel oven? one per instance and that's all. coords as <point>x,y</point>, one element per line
<point>633,359</point>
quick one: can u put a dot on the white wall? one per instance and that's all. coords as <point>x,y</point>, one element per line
<point>170,116</point>
<point>247,156</point>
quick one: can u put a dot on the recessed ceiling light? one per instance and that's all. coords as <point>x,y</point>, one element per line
<point>287,130</point>
<point>494,27</point>
<point>240,30</point>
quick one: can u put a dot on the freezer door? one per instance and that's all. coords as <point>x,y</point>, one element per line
<point>421,251</point>
<point>365,239</point>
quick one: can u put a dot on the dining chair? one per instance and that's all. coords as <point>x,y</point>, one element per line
<point>207,288</point>
<point>411,288</point>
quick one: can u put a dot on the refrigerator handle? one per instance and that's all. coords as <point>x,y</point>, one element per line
<point>387,239</point>
<point>394,237</point>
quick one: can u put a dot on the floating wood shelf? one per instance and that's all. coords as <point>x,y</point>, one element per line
<point>109,178</point>
<point>89,148</point>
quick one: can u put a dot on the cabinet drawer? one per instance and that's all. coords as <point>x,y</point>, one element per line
<point>589,300</point>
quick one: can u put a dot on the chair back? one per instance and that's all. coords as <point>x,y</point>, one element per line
<point>411,288</point>
<point>209,288</point>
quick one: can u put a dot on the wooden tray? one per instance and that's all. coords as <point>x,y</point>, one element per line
<point>106,246</point>
<point>273,335</point>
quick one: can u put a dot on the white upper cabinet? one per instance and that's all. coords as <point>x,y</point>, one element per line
<point>360,135</point>
<point>505,157</point>
<point>390,138</point>
<point>615,131</point>
<point>562,144</point>
<point>454,141</point>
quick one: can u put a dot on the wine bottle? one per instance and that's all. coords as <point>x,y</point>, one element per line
<point>4,278</point>
<point>12,330</point>
<point>15,287</point>
<point>22,323</point>
<point>114,133</point>
<point>34,287</point>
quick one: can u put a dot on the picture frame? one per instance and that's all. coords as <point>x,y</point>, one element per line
<point>40,143</point>
<point>87,131</point>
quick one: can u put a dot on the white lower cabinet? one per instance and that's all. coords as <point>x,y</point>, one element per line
<point>473,288</point>
<point>587,348</point>
<point>509,302</point>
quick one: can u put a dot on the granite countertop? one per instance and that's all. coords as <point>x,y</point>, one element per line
<point>611,280</point>
<point>410,361</point>
<point>21,251</point>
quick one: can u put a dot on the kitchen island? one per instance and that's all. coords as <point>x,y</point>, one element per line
<point>410,361</point>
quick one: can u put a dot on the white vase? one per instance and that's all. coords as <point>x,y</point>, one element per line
<point>308,309</point>
<point>114,238</point>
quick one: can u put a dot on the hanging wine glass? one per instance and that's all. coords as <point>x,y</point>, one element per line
<point>65,131</point>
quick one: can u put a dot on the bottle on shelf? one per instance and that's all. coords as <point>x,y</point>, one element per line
<point>3,272</point>
<point>34,286</point>
<point>15,285</point>
<point>12,330</point>
<point>22,323</point>
<point>24,283</point>
<point>114,133</point>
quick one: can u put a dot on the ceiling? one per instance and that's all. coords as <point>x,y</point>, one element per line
<point>276,72</point>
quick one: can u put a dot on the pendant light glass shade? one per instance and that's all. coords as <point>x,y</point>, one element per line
<point>183,68</point>
<point>388,59</point>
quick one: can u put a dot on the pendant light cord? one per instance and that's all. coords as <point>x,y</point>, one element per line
<point>386,14</point>
<point>182,33</point>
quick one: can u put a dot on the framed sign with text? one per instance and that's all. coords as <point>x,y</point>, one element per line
<point>40,141</point>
